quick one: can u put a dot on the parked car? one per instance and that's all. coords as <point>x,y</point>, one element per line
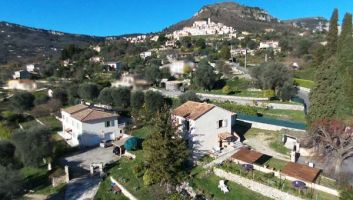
<point>106,143</point>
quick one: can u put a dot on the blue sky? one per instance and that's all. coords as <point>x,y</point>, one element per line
<point>115,17</point>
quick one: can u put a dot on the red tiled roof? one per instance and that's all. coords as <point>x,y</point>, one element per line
<point>192,110</point>
<point>301,172</point>
<point>247,155</point>
<point>86,113</point>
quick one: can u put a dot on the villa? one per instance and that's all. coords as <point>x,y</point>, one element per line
<point>86,125</point>
<point>207,126</point>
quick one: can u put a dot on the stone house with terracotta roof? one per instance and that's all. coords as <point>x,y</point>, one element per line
<point>207,126</point>
<point>87,125</point>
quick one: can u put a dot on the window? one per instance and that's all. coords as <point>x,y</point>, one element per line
<point>121,131</point>
<point>107,124</point>
<point>220,123</point>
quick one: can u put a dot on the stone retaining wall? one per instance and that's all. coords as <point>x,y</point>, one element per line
<point>123,190</point>
<point>255,186</point>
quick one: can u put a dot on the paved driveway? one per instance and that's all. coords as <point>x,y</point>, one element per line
<point>84,158</point>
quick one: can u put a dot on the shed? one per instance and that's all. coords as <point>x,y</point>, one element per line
<point>247,155</point>
<point>301,172</point>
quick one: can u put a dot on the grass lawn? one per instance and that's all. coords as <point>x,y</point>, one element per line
<point>304,83</point>
<point>292,115</point>
<point>307,74</point>
<point>276,163</point>
<point>142,132</point>
<point>51,122</point>
<point>5,133</point>
<point>241,93</point>
<point>278,146</point>
<point>37,179</point>
<point>208,184</point>
<point>30,124</point>
<point>122,171</point>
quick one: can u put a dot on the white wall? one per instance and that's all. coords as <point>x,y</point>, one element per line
<point>90,133</point>
<point>206,132</point>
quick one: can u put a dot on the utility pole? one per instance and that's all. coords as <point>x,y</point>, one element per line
<point>246,57</point>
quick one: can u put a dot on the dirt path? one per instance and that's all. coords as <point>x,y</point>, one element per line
<point>261,141</point>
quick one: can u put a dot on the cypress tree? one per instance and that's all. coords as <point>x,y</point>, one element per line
<point>323,97</point>
<point>345,59</point>
<point>332,35</point>
<point>346,33</point>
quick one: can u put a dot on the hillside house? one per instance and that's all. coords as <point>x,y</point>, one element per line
<point>207,126</point>
<point>132,81</point>
<point>86,125</point>
<point>112,65</point>
<point>21,74</point>
<point>179,67</point>
<point>270,45</point>
<point>22,84</point>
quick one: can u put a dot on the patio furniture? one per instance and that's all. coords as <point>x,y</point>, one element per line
<point>248,167</point>
<point>223,186</point>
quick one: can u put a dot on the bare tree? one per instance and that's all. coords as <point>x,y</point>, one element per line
<point>333,141</point>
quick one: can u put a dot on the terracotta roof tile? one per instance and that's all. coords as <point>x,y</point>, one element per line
<point>86,113</point>
<point>301,172</point>
<point>192,110</point>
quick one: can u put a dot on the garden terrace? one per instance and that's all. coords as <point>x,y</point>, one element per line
<point>248,156</point>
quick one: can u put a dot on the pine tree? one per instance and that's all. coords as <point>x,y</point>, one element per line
<point>165,152</point>
<point>332,35</point>
<point>323,97</point>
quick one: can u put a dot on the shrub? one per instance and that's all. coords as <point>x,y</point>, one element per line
<point>227,90</point>
<point>269,93</point>
<point>248,110</point>
<point>148,178</point>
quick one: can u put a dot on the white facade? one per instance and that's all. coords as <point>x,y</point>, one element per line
<point>204,131</point>
<point>31,68</point>
<point>270,44</point>
<point>180,67</point>
<point>146,54</point>
<point>204,28</point>
<point>91,132</point>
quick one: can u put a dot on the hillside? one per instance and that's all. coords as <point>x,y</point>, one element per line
<point>242,18</point>
<point>309,23</point>
<point>21,43</point>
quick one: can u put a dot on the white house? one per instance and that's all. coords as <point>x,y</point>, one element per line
<point>270,44</point>
<point>146,54</point>
<point>207,126</point>
<point>22,84</point>
<point>21,74</point>
<point>31,68</point>
<point>113,65</point>
<point>179,67</point>
<point>87,125</point>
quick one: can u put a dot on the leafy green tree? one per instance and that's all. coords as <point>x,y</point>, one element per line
<point>162,39</point>
<point>121,97</point>
<point>88,91</point>
<point>318,56</point>
<point>287,91</point>
<point>32,145</point>
<point>225,52</point>
<point>61,95</point>
<point>22,101</point>
<point>11,183</point>
<point>105,96</point>
<point>332,35</point>
<point>205,76</point>
<point>271,76</point>
<point>323,97</point>
<point>165,152</point>
<point>7,153</point>
<point>154,101</point>
<point>188,96</point>
<point>153,74</point>
<point>137,99</point>
<point>200,43</point>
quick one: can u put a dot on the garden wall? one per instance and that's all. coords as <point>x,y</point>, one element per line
<point>123,190</point>
<point>255,186</point>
